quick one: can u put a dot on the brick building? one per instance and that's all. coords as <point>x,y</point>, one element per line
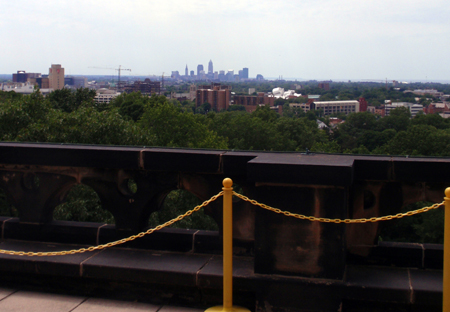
<point>217,95</point>
<point>145,87</point>
<point>252,102</point>
<point>324,85</point>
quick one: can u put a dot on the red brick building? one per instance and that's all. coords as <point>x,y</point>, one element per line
<point>252,102</point>
<point>218,96</point>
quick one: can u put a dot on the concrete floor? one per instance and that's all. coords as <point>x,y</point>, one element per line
<point>13,300</point>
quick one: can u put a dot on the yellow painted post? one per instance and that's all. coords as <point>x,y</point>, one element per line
<point>446,282</point>
<point>227,252</point>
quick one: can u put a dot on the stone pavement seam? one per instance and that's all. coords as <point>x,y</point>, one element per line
<point>82,262</point>
<point>196,274</point>
<point>98,234</point>
<point>79,304</point>
<point>3,227</point>
<point>9,295</point>
<point>193,241</point>
<point>411,289</point>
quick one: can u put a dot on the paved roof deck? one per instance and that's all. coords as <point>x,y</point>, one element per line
<point>185,278</point>
<point>15,300</point>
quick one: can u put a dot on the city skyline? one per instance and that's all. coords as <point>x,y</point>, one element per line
<point>321,40</point>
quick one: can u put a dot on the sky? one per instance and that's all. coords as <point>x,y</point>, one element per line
<point>307,39</point>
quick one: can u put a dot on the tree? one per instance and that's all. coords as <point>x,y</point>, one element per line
<point>421,140</point>
<point>351,134</point>
<point>434,120</point>
<point>323,144</point>
<point>247,131</point>
<point>265,113</point>
<point>299,131</point>
<point>86,125</point>
<point>172,127</point>
<point>233,108</point>
<point>68,101</point>
<point>206,107</point>
<point>19,113</point>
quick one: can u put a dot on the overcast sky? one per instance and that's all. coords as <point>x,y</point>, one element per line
<point>308,39</point>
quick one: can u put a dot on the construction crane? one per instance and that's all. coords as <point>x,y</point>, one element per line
<point>118,69</point>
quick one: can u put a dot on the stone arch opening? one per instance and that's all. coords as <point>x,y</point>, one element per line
<point>6,208</point>
<point>177,202</point>
<point>82,204</point>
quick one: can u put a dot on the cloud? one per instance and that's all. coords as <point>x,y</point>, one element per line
<point>291,38</point>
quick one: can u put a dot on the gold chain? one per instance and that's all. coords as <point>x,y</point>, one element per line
<point>326,220</point>
<point>115,243</point>
<point>205,203</point>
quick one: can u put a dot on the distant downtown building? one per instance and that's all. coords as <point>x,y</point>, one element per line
<point>211,75</point>
<point>56,77</point>
<point>243,74</point>
<point>199,70</point>
<point>210,67</point>
<point>22,76</point>
<point>54,80</point>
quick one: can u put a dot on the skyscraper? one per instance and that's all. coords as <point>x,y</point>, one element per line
<point>245,73</point>
<point>199,69</point>
<point>186,71</point>
<point>230,75</point>
<point>56,77</point>
<point>210,67</point>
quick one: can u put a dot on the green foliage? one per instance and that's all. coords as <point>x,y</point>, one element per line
<point>434,120</point>
<point>85,126</point>
<point>326,147</point>
<point>250,131</point>
<point>66,116</point>
<point>173,127</point>
<point>233,108</point>
<point>426,227</point>
<point>265,113</point>
<point>178,202</point>
<point>69,101</point>
<point>82,204</point>
<point>299,133</point>
<point>18,114</point>
<point>293,112</point>
<point>9,95</point>
<point>423,140</point>
<point>131,105</point>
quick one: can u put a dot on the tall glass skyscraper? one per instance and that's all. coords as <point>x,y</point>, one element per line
<point>210,67</point>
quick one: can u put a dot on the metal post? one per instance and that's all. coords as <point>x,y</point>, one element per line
<point>227,243</point>
<point>446,282</point>
<point>227,252</point>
